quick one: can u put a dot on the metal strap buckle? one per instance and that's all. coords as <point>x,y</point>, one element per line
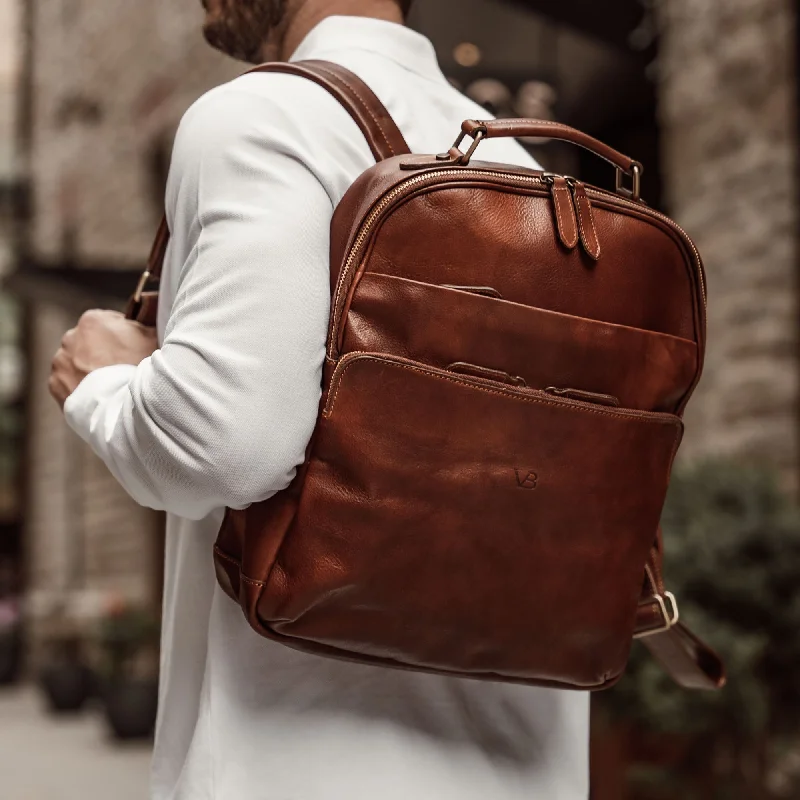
<point>137,295</point>
<point>671,616</point>
<point>635,192</point>
<point>464,158</point>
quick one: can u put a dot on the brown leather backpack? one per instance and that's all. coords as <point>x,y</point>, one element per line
<point>510,353</point>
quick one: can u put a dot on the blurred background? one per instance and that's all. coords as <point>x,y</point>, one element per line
<point>704,92</point>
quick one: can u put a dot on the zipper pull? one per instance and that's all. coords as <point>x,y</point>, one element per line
<point>585,397</point>
<point>497,375</point>
<point>566,221</point>
<point>588,231</point>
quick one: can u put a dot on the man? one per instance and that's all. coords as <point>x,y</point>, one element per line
<point>220,415</point>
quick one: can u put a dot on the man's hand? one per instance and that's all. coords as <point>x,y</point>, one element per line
<point>101,339</point>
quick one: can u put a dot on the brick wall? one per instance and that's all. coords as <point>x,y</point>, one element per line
<point>728,108</point>
<point>9,55</point>
<point>111,81</point>
<point>86,540</point>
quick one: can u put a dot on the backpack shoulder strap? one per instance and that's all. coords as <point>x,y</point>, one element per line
<point>379,129</point>
<point>382,134</point>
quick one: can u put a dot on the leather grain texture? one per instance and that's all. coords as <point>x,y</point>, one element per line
<point>454,515</point>
<point>436,325</point>
<point>510,354</point>
<point>431,503</point>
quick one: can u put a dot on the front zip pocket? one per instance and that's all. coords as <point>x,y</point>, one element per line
<point>458,524</point>
<point>439,326</point>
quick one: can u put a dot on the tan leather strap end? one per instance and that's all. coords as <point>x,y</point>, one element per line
<point>143,304</point>
<point>690,662</point>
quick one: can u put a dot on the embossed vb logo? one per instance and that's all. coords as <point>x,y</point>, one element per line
<point>527,480</point>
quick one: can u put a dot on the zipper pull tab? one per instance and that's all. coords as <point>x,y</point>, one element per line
<point>566,222</point>
<point>585,397</point>
<point>490,374</point>
<point>588,231</point>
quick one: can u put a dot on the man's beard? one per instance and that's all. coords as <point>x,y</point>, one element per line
<point>240,28</point>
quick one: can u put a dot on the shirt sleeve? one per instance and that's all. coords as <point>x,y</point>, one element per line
<point>222,413</point>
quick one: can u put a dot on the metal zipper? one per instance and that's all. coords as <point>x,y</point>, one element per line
<point>664,218</point>
<point>436,176</point>
<point>388,199</point>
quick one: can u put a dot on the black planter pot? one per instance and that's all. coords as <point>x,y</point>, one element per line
<point>130,707</point>
<point>67,686</point>
<point>10,657</point>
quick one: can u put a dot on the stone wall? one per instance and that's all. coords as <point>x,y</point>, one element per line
<point>728,109</point>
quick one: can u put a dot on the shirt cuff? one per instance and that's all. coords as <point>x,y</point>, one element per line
<point>92,391</point>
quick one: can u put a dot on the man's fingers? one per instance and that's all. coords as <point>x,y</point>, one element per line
<point>57,389</point>
<point>58,381</point>
<point>98,315</point>
<point>60,359</point>
<point>100,339</point>
<point>68,339</point>
<point>90,318</point>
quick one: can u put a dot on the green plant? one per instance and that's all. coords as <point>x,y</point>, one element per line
<point>127,634</point>
<point>733,560</point>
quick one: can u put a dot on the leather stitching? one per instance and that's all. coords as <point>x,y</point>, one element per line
<point>238,565</point>
<point>558,215</point>
<point>562,235</point>
<point>580,222</point>
<point>596,252</point>
<point>509,124</point>
<point>510,394</point>
<point>363,103</point>
<point>226,557</point>
<point>594,231</point>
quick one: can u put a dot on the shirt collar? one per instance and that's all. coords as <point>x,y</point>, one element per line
<point>408,48</point>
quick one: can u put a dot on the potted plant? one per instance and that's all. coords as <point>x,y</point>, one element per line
<point>129,639</point>
<point>10,641</point>
<point>733,559</point>
<point>66,678</point>
<point>10,624</point>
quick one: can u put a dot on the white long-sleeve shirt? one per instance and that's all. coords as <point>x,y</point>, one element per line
<point>221,415</point>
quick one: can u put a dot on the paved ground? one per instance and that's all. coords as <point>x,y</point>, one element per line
<point>47,758</point>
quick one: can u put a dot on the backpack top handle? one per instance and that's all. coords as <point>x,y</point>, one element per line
<point>489,129</point>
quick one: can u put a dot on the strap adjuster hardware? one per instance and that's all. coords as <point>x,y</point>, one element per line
<point>670,614</point>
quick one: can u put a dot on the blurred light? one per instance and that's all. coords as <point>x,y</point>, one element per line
<point>493,95</point>
<point>644,35</point>
<point>536,100</point>
<point>467,54</point>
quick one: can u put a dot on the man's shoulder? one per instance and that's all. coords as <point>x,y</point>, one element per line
<point>253,100</point>
<point>260,114</point>
<point>251,124</point>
